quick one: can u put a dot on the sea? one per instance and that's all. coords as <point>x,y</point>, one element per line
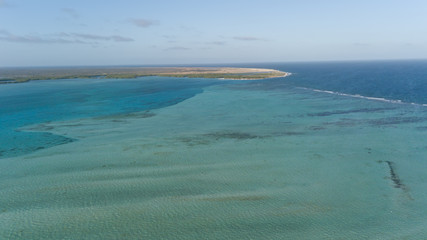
<point>335,150</point>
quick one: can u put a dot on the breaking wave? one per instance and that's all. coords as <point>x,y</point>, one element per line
<point>395,101</point>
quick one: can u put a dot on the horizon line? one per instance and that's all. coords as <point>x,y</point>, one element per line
<point>217,64</point>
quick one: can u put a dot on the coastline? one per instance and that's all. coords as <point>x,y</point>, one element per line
<point>13,75</point>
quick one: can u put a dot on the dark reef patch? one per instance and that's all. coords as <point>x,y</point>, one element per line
<point>316,128</point>
<point>396,120</point>
<point>288,133</point>
<point>193,141</point>
<point>337,112</point>
<point>207,138</point>
<point>232,135</point>
<point>40,141</point>
<point>40,128</point>
<point>116,117</point>
<point>204,139</point>
<point>394,177</point>
<point>348,122</point>
<point>235,198</point>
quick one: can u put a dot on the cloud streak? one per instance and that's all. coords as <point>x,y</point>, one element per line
<point>143,23</point>
<point>9,37</point>
<point>70,12</point>
<point>115,38</point>
<point>3,3</point>
<point>177,48</point>
<point>61,38</point>
<point>247,38</point>
<point>218,43</point>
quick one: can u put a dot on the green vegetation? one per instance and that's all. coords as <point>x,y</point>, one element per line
<point>124,75</point>
<point>18,75</point>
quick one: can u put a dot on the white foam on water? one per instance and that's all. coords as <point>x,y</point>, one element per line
<point>395,101</point>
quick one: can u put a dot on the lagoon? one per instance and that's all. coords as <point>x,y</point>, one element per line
<point>179,158</point>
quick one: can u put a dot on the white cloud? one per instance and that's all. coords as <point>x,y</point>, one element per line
<point>143,23</point>
<point>61,38</point>
<point>248,38</point>
<point>70,12</point>
<point>219,43</point>
<point>177,48</point>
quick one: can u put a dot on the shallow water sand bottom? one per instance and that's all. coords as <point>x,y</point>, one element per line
<point>226,164</point>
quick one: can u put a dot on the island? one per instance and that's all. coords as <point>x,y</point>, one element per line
<point>19,75</point>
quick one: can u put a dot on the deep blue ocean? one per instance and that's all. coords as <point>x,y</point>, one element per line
<point>42,101</point>
<point>393,80</point>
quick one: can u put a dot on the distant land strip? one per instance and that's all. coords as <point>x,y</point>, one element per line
<point>18,75</point>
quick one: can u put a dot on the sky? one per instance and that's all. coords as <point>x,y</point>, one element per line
<point>135,32</point>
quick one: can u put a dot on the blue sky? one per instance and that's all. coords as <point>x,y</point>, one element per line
<point>107,32</point>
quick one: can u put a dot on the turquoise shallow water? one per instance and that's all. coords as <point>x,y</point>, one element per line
<point>236,160</point>
<point>43,101</point>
